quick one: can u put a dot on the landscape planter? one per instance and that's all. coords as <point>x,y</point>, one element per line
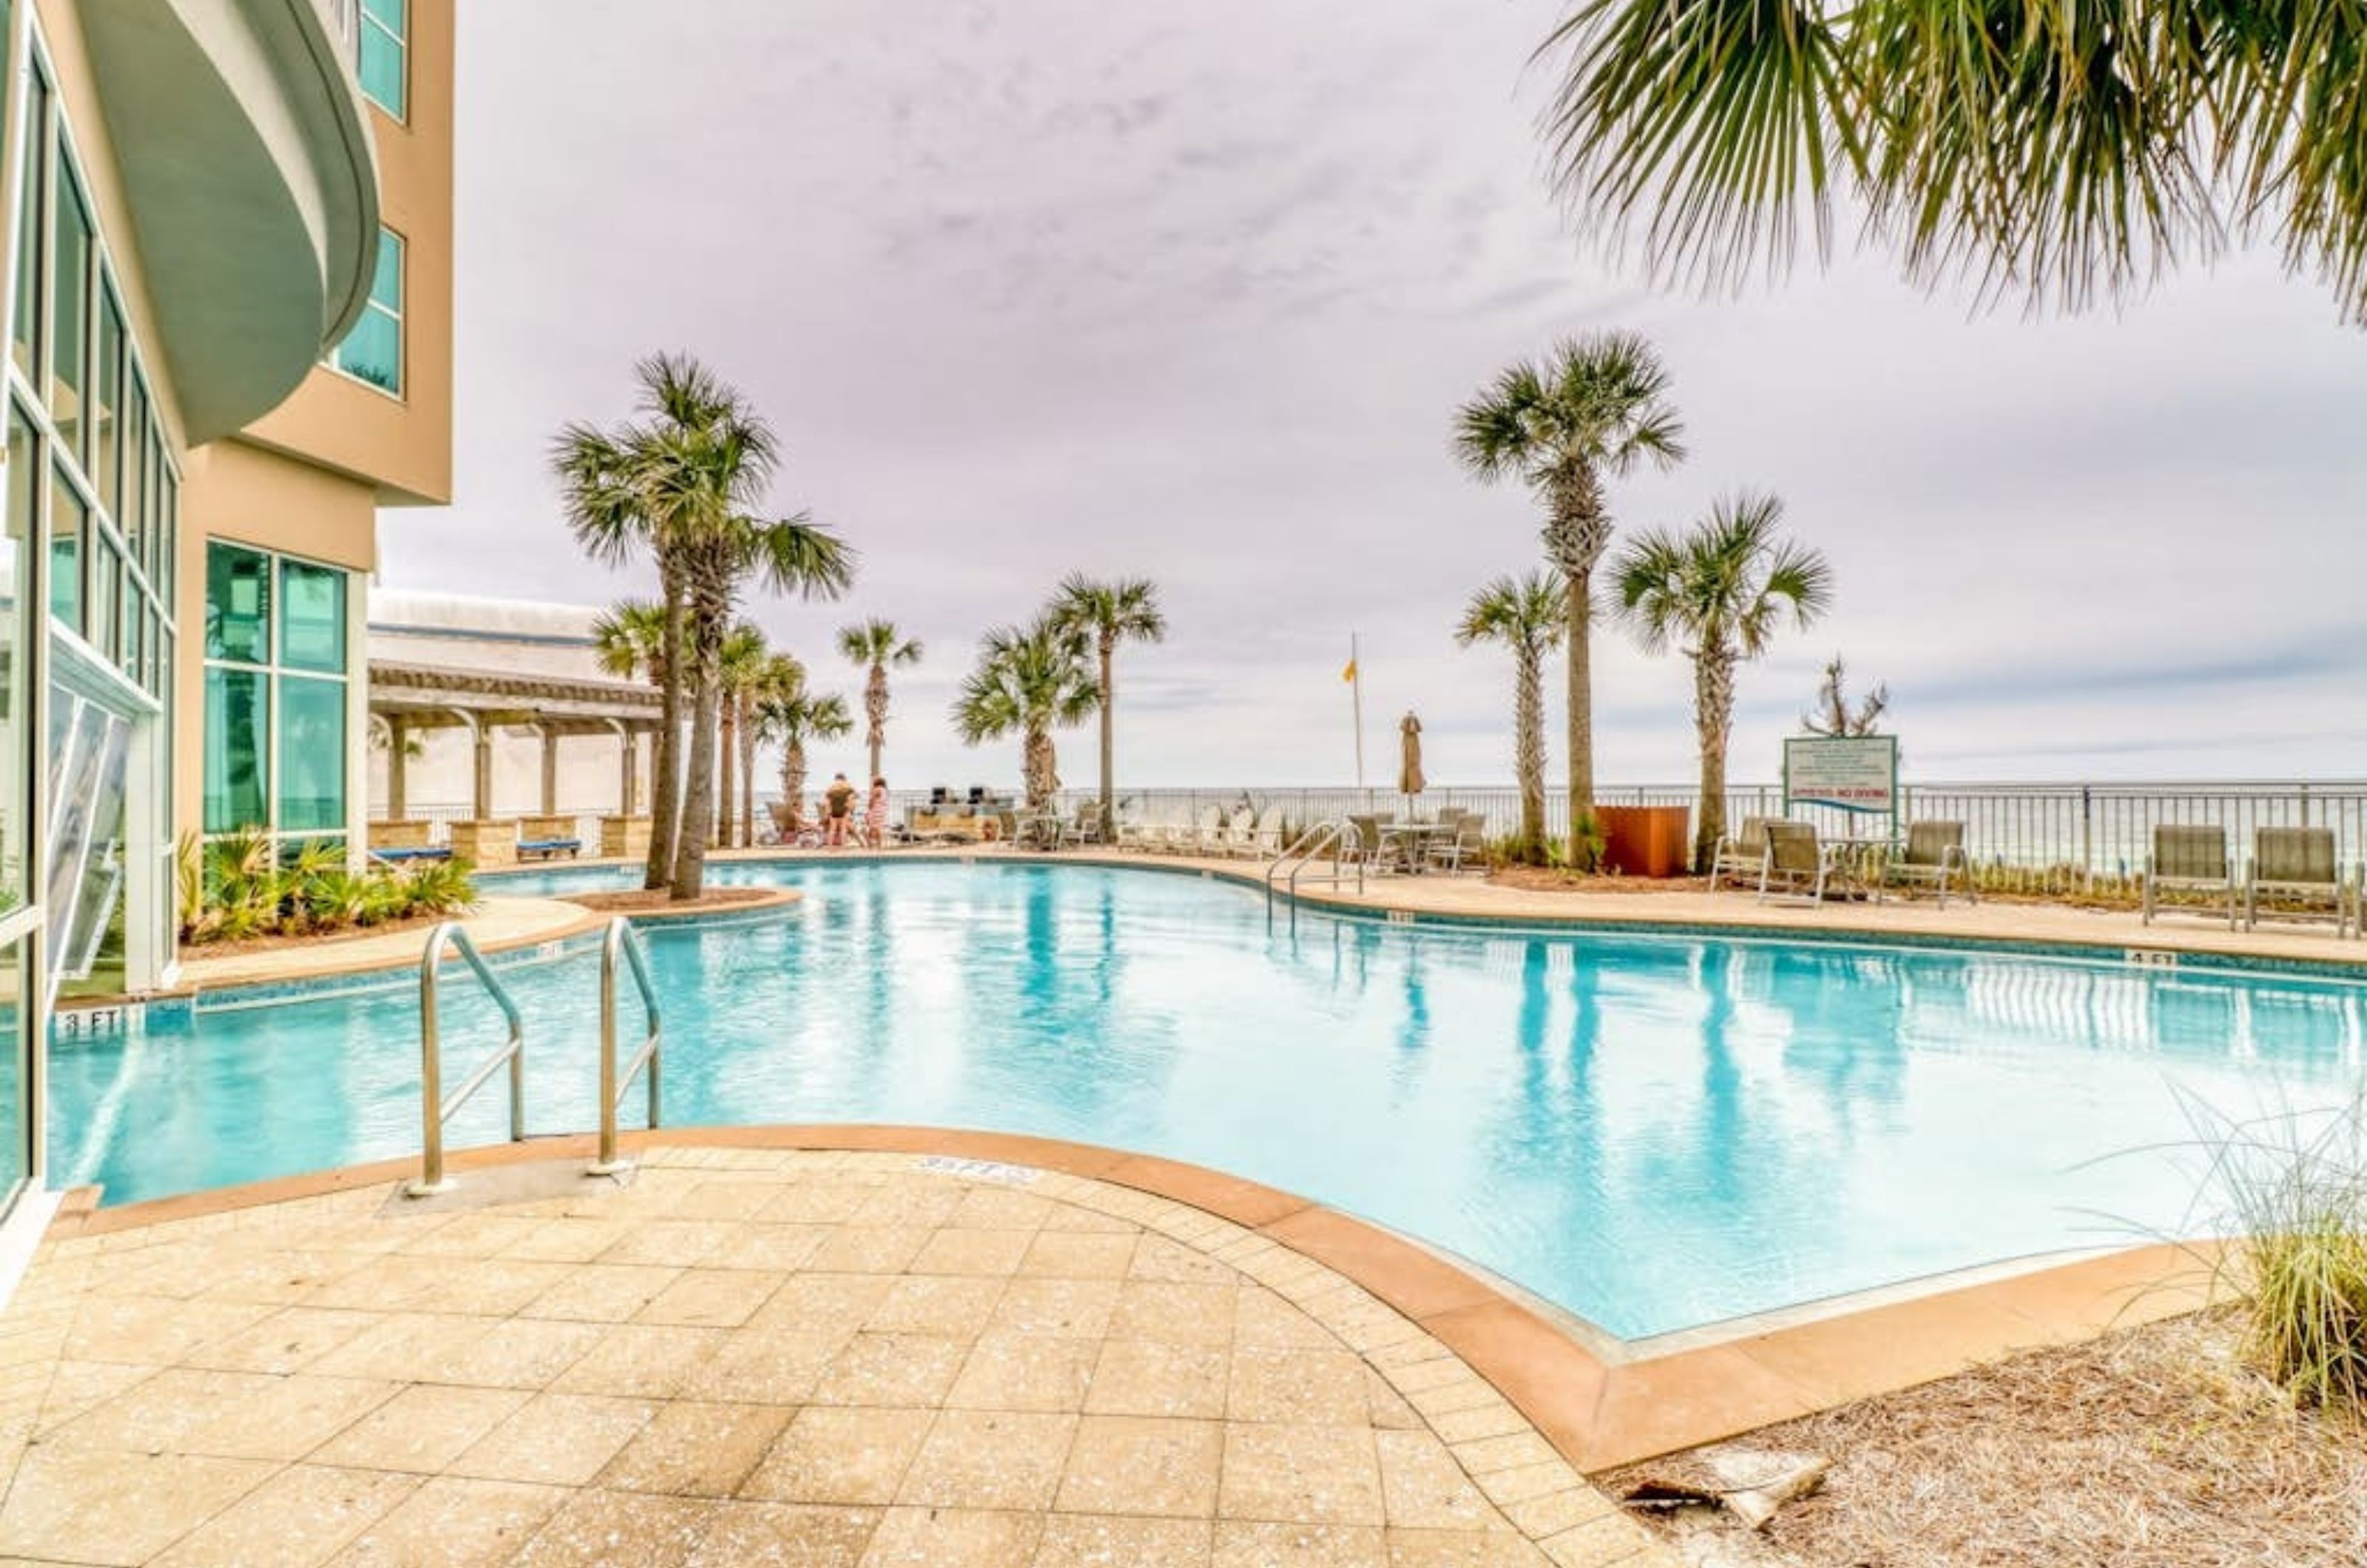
<point>625,837</point>
<point>486,845</point>
<point>1646,840</point>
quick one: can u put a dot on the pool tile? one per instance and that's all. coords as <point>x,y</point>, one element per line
<point>1133,1464</point>
<point>1301,1474</point>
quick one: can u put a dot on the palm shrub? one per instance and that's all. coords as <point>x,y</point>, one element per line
<point>1593,410</point>
<point>1526,615</point>
<point>2056,151</point>
<point>1109,614</point>
<point>1029,682</point>
<point>740,666</point>
<point>793,716</point>
<point>1718,590</point>
<point>239,886</point>
<point>873,646</point>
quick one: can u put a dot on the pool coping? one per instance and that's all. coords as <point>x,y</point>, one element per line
<point>1598,1411</point>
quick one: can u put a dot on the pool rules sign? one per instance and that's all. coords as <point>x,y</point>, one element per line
<point>1857,773</point>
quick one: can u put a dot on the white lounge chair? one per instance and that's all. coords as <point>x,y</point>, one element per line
<point>1742,855</point>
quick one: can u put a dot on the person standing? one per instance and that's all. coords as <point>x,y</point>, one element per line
<point>839,802</point>
<point>875,814</point>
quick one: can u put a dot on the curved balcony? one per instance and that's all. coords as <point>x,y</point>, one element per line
<point>245,154</point>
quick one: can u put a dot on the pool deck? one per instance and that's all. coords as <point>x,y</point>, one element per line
<point>754,1352</point>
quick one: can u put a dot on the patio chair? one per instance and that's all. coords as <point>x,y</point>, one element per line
<point>2296,867</point>
<point>1086,827</point>
<point>1365,845</point>
<point>2189,858</point>
<point>1741,854</point>
<point>1794,861</point>
<point>1468,846</point>
<point>1933,856</point>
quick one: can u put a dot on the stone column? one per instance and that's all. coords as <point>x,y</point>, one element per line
<point>484,801</point>
<point>398,794</point>
<point>549,771</point>
<point>628,781</point>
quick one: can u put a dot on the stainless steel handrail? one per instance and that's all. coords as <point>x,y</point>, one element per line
<point>622,940</point>
<point>435,1109</point>
<point>1333,835</point>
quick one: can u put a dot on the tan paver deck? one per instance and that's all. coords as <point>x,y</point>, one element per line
<point>496,925</point>
<point>763,1356</point>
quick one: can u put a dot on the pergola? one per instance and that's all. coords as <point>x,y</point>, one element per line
<point>411,697</point>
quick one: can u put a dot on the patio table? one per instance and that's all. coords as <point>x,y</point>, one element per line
<point>1411,842</point>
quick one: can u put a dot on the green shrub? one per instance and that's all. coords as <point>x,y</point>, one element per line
<point>236,888</point>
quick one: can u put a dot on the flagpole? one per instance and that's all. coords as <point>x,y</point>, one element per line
<point>1356,688</point>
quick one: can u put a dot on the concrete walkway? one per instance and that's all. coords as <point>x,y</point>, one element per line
<point>495,925</point>
<point>753,1355</point>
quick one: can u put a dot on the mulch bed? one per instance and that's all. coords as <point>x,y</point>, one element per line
<point>639,900</point>
<point>2151,1448</point>
<point>1547,879</point>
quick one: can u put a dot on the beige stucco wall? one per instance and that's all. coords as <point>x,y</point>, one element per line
<point>236,491</point>
<point>404,444</point>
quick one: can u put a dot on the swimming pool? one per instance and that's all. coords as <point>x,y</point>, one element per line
<point>1654,1131</point>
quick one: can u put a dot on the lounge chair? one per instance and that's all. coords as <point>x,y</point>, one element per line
<point>1742,854</point>
<point>1796,863</point>
<point>2296,867</point>
<point>1086,828</point>
<point>1466,846</point>
<point>2188,858</point>
<point>1934,857</point>
<point>1365,845</point>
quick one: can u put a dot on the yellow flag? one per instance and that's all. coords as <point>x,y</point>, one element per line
<point>1349,675</point>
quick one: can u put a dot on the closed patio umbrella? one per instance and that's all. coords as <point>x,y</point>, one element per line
<point>1409,780</point>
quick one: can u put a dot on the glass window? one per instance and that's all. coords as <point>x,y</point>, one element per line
<point>311,754</point>
<point>238,605</point>
<point>16,643</point>
<point>312,617</point>
<point>27,334</point>
<point>70,297</point>
<point>69,519</point>
<point>166,523</point>
<point>99,586</point>
<point>135,628</point>
<point>106,402</point>
<point>372,350</point>
<point>237,723</point>
<point>386,37</point>
<point>133,517</point>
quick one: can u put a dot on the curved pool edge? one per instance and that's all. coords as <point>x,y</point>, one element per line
<point>1599,1410</point>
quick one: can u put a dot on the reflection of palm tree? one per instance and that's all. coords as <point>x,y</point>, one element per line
<point>1416,1034</point>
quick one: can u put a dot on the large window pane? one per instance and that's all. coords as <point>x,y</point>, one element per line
<point>385,32</point>
<point>27,333</point>
<point>102,584</point>
<point>237,727</point>
<point>69,520</point>
<point>70,294</point>
<point>166,521</point>
<point>372,350</point>
<point>312,617</point>
<point>311,754</point>
<point>16,648</point>
<point>238,605</point>
<point>131,516</point>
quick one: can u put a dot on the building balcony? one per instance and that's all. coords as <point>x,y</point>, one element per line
<point>245,151</point>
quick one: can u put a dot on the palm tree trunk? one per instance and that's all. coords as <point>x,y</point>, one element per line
<point>1576,536</point>
<point>1529,745</point>
<point>728,720</point>
<point>875,706</point>
<point>707,620</point>
<point>665,783</point>
<point>793,775</point>
<point>747,772</point>
<point>1039,765</point>
<point>1109,740</point>
<point>1714,722</point>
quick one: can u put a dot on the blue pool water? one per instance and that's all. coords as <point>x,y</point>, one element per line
<point>1655,1131</point>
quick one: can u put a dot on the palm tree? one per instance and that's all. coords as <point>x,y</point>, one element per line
<point>2059,151</point>
<point>1527,614</point>
<point>794,715</point>
<point>777,674</point>
<point>1029,682</point>
<point>741,662</point>
<point>628,639</point>
<point>683,484</point>
<point>1110,614</point>
<point>1593,410</point>
<point>877,644</point>
<point>1719,591</point>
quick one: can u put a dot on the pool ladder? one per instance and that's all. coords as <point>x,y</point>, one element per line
<point>1347,849</point>
<point>620,951</point>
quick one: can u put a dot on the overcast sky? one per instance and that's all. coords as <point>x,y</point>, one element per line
<point>1194,293</point>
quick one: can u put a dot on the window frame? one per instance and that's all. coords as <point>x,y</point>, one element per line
<point>272,671</point>
<point>399,313</point>
<point>401,43</point>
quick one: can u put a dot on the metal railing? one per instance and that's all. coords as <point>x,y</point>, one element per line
<point>1333,835</point>
<point>435,1109</point>
<point>623,942</point>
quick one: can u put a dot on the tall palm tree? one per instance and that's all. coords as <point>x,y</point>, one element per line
<point>1029,682</point>
<point>1593,410</point>
<point>2057,151</point>
<point>683,484</point>
<point>738,669</point>
<point>876,645</point>
<point>793,716</point>
<point>1718,590</point>
<point>1110,613</point>
<point>779,674</point>
<point>629,640</point>
<point>791,554</point>
<point>1529,616</point>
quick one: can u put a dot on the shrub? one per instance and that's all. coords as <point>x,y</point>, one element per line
<point>236,888</point>
<point>2295,1189</point>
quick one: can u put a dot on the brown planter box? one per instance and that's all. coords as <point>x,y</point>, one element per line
<point>625,837</point>
<point>1646,840</point>
<point>486,845</point>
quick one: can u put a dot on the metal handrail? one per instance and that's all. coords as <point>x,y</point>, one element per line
<point>1311,843</point>
<point>623,941</point>
<point>435,1109</point>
